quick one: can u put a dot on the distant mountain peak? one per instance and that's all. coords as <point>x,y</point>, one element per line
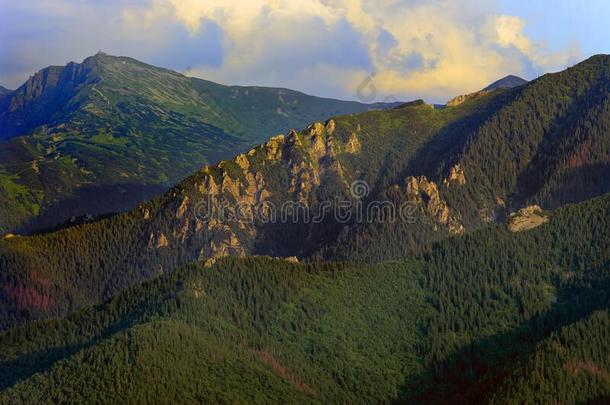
<point>92,112</point>
<point>507,82</point>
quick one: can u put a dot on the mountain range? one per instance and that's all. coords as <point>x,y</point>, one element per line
<point>494,288</point>
<point>103,135</point>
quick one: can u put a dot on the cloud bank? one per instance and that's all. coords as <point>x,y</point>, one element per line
<point>354,49</point>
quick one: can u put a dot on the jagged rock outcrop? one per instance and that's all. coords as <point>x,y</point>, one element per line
<point>236,188</point>
<point>222,242</point>
<point>465,97</point>
<point>158,241</point>
<point>273,147</point>
<point>456,175</point>
<point>303,177</point>
<point>527,218</point>
<point>353,145</point>
<point>426,194</point>
<point>308,159</point>
<point>183,207</point>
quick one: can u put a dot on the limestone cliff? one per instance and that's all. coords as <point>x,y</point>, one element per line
<point>237,190</point>
<point>426,194</point>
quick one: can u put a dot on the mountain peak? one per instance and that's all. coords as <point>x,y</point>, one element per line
<point>103,57</point>
<point>507,82</point>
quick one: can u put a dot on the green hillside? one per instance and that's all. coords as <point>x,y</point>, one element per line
<point>545,143</point>
<point>457,325</point>
<point>111,132</point>
<point>480,296</point>
<point>569,366</point>
<point>446,164</point>
<point>91,262</point>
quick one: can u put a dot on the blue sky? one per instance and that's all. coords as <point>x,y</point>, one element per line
<point>406,49</point>
<point>563,23</point>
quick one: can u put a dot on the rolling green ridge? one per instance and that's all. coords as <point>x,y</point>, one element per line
<point>54,274</point>
<point>550,144</point>
<point>545,143</point>
<point>480,296</point>
<point>111,132</point>
<point>457,325</point>
<point>99,259</point>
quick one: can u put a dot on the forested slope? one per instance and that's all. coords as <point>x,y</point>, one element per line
<point>458,169</point>
<point>463,323</point>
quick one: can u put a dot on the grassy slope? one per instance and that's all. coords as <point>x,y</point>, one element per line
<point>111,132</point>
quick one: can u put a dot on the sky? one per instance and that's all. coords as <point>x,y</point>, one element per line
<point>367,50</point>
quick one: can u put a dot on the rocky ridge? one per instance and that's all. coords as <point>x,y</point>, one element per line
<point>241,191</point>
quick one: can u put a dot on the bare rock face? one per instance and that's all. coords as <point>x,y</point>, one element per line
<point>316,129</point>
<point>245,188</point>
<point>426,194</point>
<point>308,158</point>
<point>273,147</point>
<point>210,262</point>
<point>208,186</point>
<point>158,241</point>
<point>527,218</point>
<point>223,243</point>
<point>465,97</point>
<point>331,125</point>
<point>230,185</point>
<point>183,207</point>
<point>242,162</point>
<point>303,177</point>
<point>456,176</point>
<point>353,144</point>
<point>318,145</point>
<point>162,241</point>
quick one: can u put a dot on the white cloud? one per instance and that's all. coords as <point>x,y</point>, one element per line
<point>440,47</point>
<point>509,32</point>
<point>432,49</point>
